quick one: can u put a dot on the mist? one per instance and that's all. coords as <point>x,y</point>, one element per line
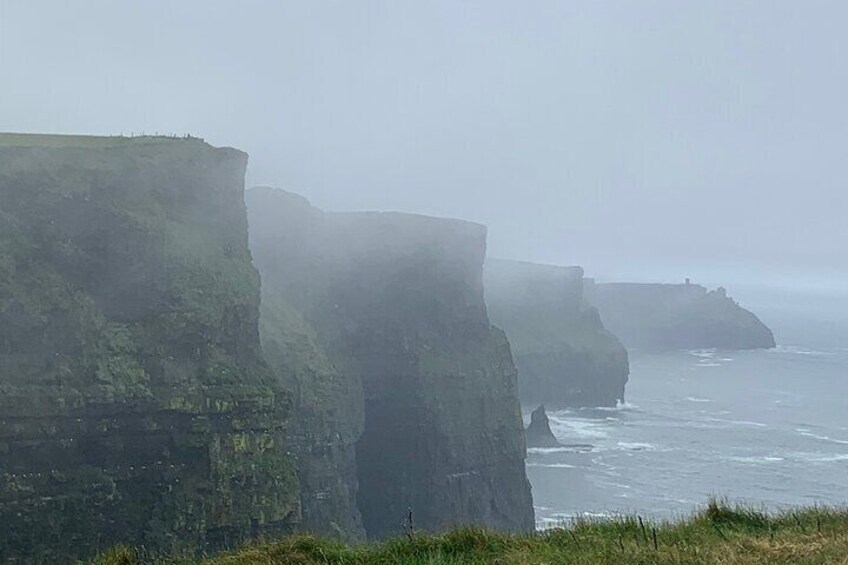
<point>444,273</point>
<point>643,141</point>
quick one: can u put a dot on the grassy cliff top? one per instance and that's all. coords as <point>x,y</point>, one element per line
<point>718,534</point>
<point>88,141</point>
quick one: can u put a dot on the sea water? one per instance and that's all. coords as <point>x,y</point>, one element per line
<point>767,428</point>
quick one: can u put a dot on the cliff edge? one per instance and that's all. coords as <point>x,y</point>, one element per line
<point>564,354</point>
<point>135,404</point>
<point>658,317</point>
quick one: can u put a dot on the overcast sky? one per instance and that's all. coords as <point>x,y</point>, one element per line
<point>641,139</point>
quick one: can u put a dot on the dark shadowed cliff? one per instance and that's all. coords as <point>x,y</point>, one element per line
<point>389,311</point>
<point>135,404</point>
<point>287,237</point>
<point>660,317</point>
<point>564,355</point>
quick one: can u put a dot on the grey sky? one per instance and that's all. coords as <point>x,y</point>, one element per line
<point>641,139</point>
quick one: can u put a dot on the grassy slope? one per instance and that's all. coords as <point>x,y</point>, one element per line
<point>717,534</point>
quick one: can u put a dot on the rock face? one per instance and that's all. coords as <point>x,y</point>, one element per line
<point>299,336</point>
<point>564,355</point>
<point>677,316</point>
<point>393,306</point>
<point>135,404</point>
<point>539,432</point>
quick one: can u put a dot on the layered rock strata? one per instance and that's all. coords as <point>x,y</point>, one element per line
<point>417,405</point>
<point>135,404</point>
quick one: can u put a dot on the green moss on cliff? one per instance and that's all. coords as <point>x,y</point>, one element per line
<point>136,404</point>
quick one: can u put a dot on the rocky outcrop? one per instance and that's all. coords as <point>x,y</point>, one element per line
<point>564,355</point>
<point>659,317</point>
<point>393,305</point>
<point>539,432</point>
<point>135,404</point>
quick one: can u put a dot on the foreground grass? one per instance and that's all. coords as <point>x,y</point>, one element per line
<point>717,534</point>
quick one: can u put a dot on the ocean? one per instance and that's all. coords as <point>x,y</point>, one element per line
<point>767,428</point>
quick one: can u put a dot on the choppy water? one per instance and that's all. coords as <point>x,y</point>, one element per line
<point>765,427</point>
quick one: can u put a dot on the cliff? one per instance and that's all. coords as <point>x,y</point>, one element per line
<point>677,316</point>
<point>287,239</point>
<point>135,404</point>
<point>393,306</point>
<point>564,355</point>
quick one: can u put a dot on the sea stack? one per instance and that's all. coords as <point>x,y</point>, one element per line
<point>539,432</point>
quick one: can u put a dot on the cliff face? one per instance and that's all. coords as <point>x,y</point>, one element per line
<point>394,303</point>
<point>677,316</point>
<point>289,241</point>
<point>135,404</point>
<point>564,355</point>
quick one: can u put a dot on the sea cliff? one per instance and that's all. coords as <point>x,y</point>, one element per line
<point>657,317</point>
<point>135,403</point>
<point>392,304</point>
<point>564,354</point>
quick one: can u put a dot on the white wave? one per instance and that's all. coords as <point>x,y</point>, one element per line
<point>561,412</point>
<point>833,458</point>
<point>702,364</point>
<point>798,350</point>
<point>696,399</point>
<point>819,458</point>
<point>748,423</point>
<point>563,449</point>
<point>704,353</point>
<point>579,428</point>
<point>565,518</point>
<point>735,422</point>
<point>552,465</point>
<point>543,523</point>
<point>621,406</point>
<point>757,460</point>
<point>596,515</point>
<point>637,446</point>
<point>808,433</point>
